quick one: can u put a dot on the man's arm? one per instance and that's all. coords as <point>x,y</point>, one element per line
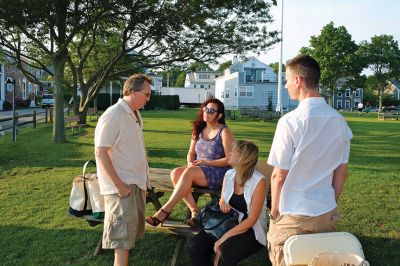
<point>277,179</point>
<point>104,161</point>
<point>339,176</point>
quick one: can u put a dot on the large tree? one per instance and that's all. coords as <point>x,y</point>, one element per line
<point>153,33</point>
<point>382,57</point>
<point>224,66</point>
<point>335,51</point>
<point>47,28</point>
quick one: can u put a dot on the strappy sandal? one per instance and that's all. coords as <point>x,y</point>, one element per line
<point>154,221</point>
<point>193,220</point>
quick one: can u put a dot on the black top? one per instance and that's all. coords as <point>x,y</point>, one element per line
<point>238,202</point>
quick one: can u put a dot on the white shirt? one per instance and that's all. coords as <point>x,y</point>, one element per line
<point>119,129</point>
<point>360,105</point>
<point>310,142</point>
<point>260,227</point>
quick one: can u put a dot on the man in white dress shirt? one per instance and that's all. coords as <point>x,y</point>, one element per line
<point>122,168</point>
<point>310,152</point>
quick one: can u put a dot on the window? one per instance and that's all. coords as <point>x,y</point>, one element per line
<point>30,88</point>
<point>357,93</point>
<point>24,90</point>
<point>347,104</point>
<point>204,76</point>
<point>246,91</point>
<point>227,92</point>
<point>347,93</point>
<point>235,92</point>
<point>339,104</point>
<point>339,94</point>
<point>201,86</point>
<point>194,86</point>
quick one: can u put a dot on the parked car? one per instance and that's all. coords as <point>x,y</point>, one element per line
<point>373,109</point>
<point>47,100</point>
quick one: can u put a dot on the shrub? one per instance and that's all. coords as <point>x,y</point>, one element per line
<point>7,106</point>
<point>22,103</point>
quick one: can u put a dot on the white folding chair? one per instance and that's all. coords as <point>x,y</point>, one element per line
<point>301,249</point>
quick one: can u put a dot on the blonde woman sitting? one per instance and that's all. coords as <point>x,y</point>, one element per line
<point>243,189</point>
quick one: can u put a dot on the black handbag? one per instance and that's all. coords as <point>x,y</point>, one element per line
<point>216,223</point>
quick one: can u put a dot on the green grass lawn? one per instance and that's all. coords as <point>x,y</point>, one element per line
<point>36,176</point>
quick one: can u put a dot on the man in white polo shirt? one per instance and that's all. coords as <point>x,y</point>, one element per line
<point>122,168</point>
<point>310,152</point>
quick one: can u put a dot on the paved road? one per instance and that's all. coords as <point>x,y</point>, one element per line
<point>40,115</point>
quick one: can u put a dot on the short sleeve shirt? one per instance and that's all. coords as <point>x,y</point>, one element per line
<point>310,142</point>
<point>121,131</point>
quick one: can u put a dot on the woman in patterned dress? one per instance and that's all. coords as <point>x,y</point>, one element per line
<point>207,160</point>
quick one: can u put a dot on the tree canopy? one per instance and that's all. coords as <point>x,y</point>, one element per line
<point>275,67</point>
<point>382,56</point>
<point>153,33</point>
<point>335,51</point>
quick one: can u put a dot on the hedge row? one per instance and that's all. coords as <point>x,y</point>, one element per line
<point>169,102</point>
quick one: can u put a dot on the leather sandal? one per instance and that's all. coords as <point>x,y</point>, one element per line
<point>193,220</point>
<point>154,221</point>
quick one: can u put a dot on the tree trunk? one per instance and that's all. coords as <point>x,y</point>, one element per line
<point>82,117</point>
<point>75,98</point>
<point>380,98</point>
<point>82,107</point>
<point>58,124</point>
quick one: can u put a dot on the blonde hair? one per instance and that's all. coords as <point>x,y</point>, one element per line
<point>135,83</point>
<point>247,161</point>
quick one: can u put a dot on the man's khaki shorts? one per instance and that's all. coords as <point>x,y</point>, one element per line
<point>124,219</point>
<point>284,226</point>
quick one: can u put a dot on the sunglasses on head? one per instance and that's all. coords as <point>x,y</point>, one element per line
<point>209,110</point>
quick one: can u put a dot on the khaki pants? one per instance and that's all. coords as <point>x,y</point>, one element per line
<point>285,226</point>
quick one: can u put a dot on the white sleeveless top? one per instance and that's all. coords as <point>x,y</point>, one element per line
<point>260,227</point>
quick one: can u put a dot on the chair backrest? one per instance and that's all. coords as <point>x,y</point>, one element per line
<point>301,249</point>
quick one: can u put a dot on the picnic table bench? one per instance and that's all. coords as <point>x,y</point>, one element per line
<point>384,115</point>
<point>72,122</point>
<point>161,183</point>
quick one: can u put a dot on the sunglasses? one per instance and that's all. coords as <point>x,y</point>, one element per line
<point>209,110</point>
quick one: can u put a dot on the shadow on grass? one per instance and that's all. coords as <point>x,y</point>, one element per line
<point>25,245</point>
<point>387,248</point>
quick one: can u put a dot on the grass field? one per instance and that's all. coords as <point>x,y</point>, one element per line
<point>36,176</point>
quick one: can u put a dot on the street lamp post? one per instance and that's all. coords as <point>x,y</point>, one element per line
<point>11,82</point>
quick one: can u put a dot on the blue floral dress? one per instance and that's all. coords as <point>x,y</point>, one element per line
<point>210,150</point>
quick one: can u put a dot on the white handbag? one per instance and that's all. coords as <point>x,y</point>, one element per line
<point>337,258</point>
<point>85,195</point>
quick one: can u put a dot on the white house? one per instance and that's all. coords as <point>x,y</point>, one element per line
<point>394,88</point>
<point>251,84</point>
<point>202,80</point>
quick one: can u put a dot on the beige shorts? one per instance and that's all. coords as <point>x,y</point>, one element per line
<point>285,226</point>
<point>124,219</point>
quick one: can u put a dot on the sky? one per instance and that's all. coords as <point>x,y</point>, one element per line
<point>302,19</point>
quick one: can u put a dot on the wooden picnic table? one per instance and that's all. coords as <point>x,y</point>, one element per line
<point>161,183</point>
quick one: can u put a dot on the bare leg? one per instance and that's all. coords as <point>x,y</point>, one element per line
<point>190,176</point>
<point>176,175</point>
<point>121,257</point>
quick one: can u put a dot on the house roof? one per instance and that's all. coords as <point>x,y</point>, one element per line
<point>396,83</point>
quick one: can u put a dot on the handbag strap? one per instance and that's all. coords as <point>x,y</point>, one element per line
<point>85,165</point>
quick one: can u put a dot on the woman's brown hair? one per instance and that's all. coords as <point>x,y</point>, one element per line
<point>199,124</point>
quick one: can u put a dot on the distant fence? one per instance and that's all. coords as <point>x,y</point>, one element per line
<point>48,117</point>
